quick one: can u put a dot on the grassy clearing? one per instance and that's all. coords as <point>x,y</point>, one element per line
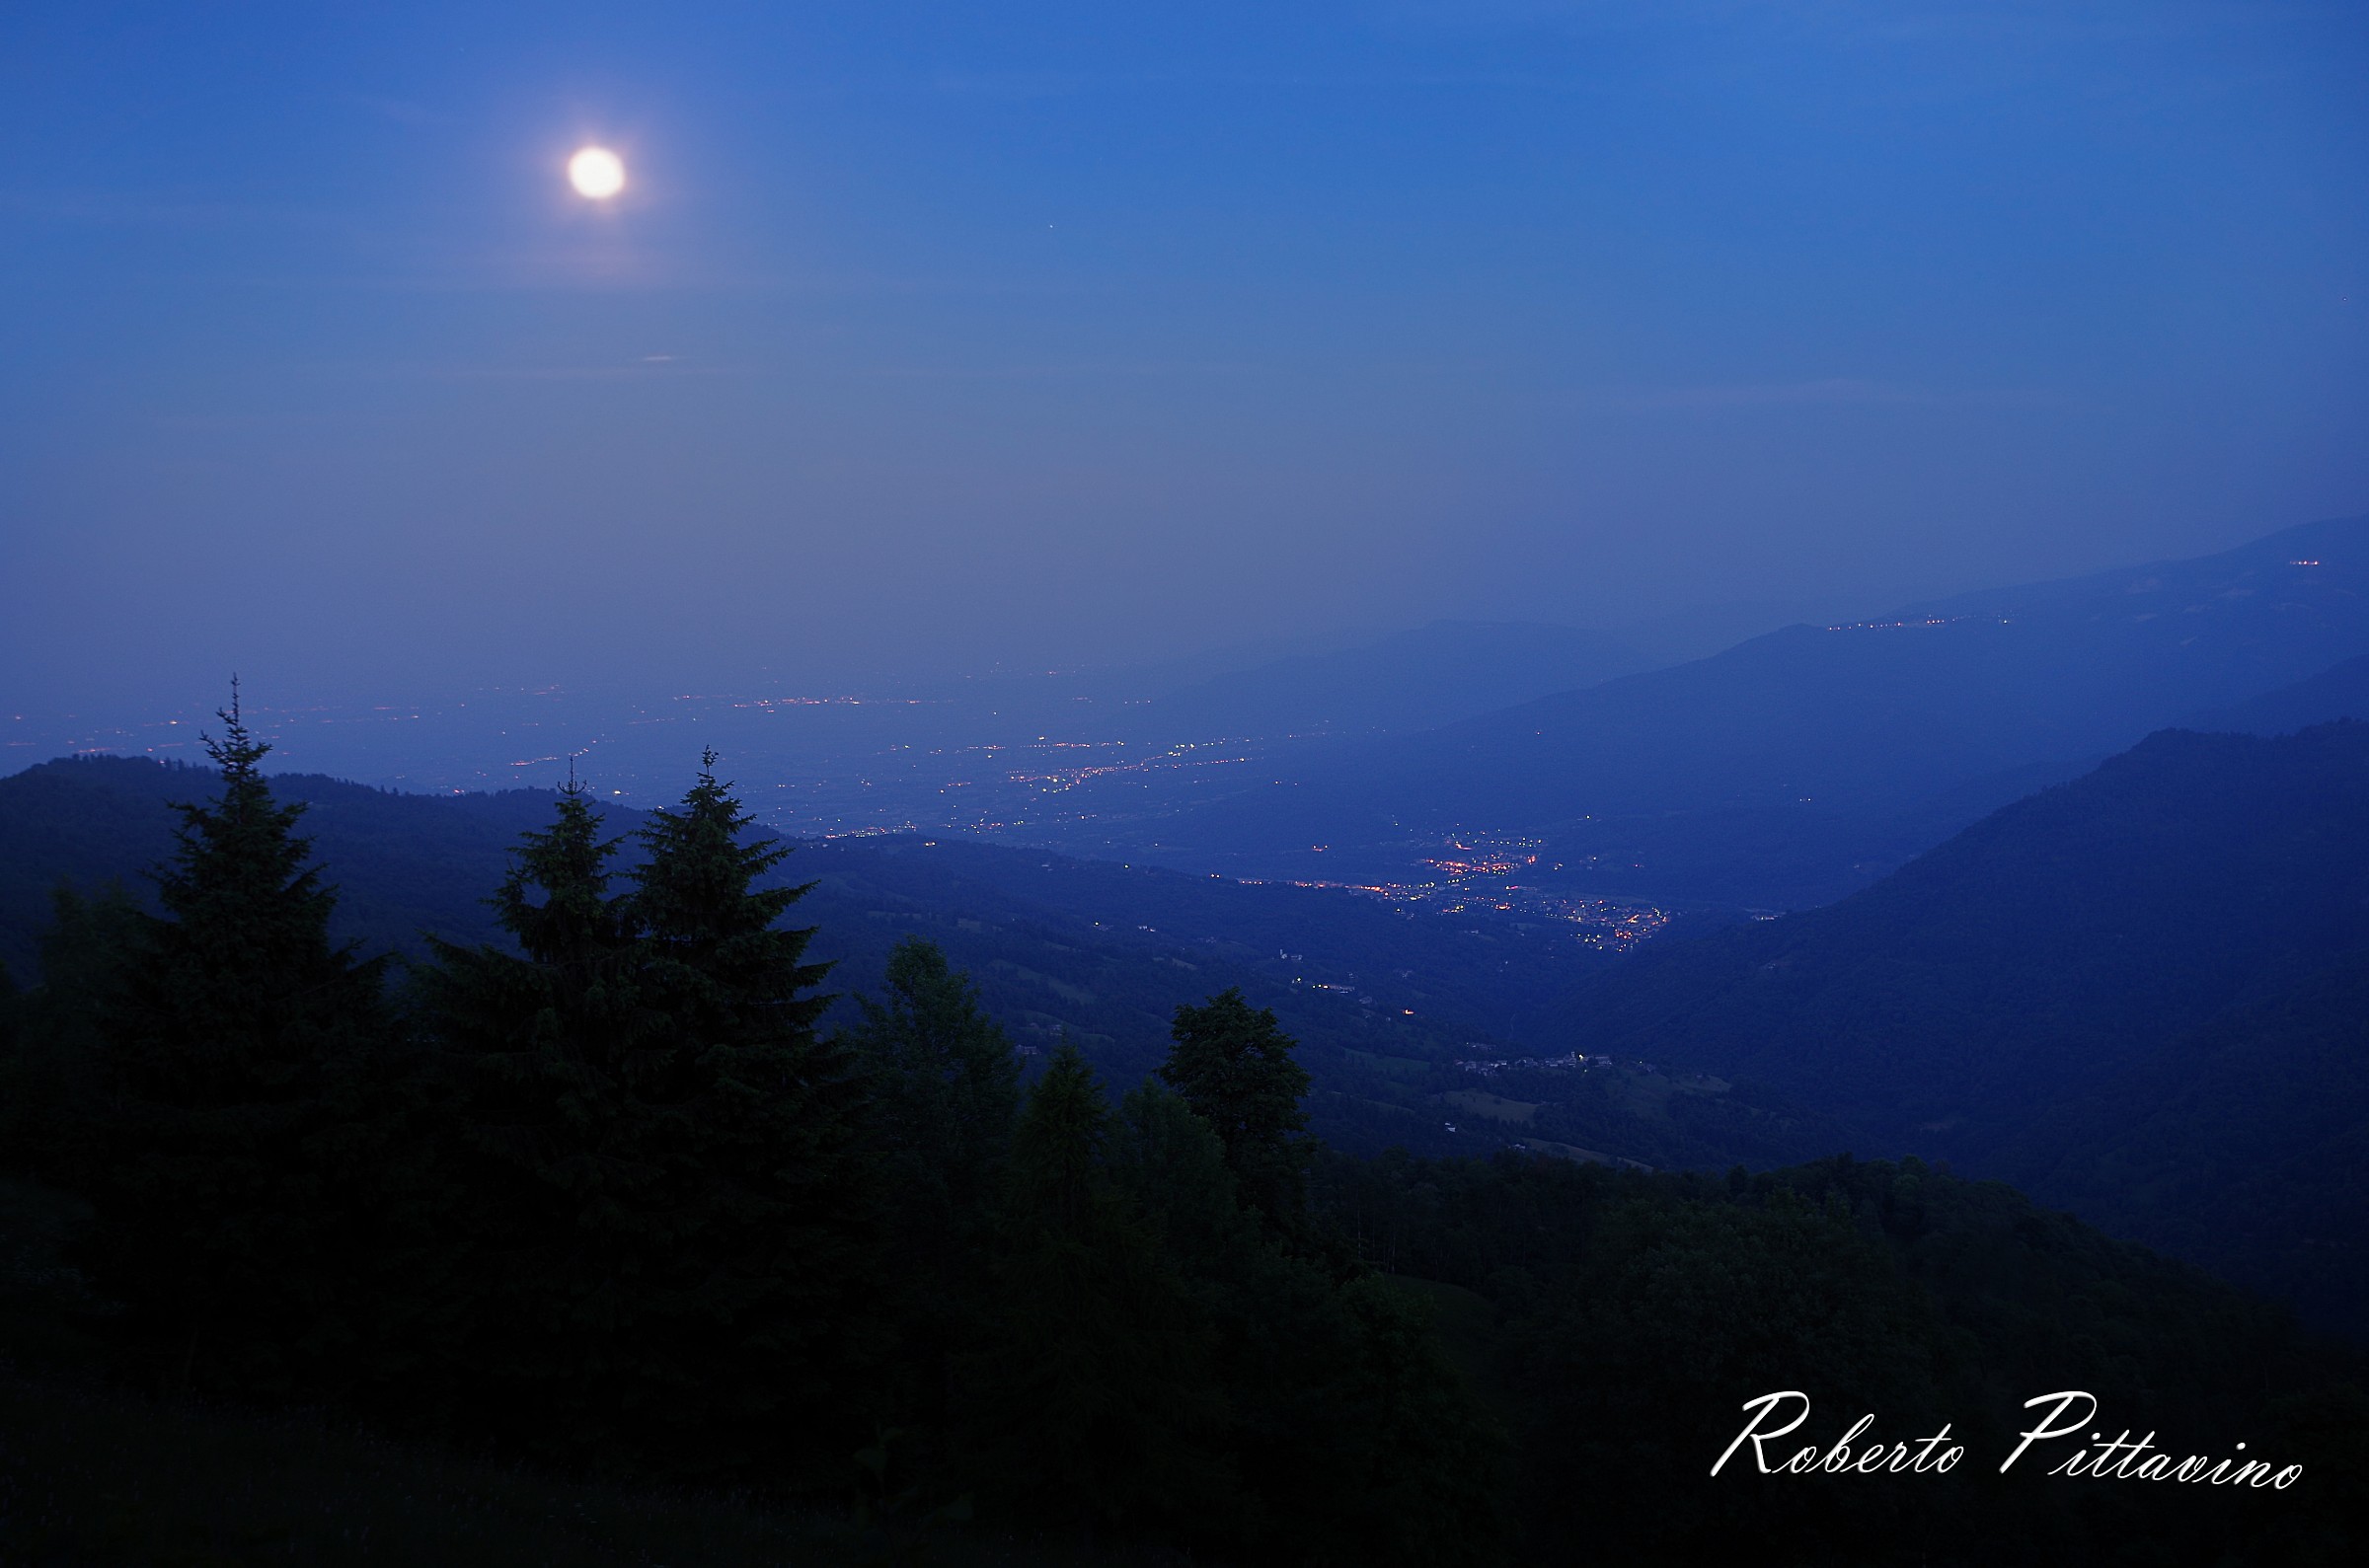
<point>1495,1107</point>
<point>98,1478</point>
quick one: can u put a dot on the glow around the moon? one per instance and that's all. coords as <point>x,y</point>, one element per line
<point>597,173</point>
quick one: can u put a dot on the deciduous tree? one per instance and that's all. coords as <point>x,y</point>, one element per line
<point>1234,1067</point>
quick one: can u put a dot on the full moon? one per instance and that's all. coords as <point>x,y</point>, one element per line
<point>597,173</point>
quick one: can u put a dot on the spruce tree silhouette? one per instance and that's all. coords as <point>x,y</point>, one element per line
<point>224,1210</point>
<point>1097,1404</point>
<point>657,1160</point>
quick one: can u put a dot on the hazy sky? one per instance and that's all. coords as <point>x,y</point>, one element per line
<point>930,336</point>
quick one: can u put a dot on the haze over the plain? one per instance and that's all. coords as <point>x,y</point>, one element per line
<point>928,337</point>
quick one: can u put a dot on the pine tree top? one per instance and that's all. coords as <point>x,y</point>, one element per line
<point>238,858</point>
<point>575,921</point>
<point>235,993</point>
<point>697,888</point>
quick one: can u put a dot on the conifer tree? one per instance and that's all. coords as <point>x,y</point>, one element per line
<point>53,1078</point>
<point>14,1074</point>
<point>769,1312</point>
<point>1234,1067</point>
<point>1357,1436</point>
<point>240,980</point>
<point>946,1087</point>
<point>657,1155</point>
<point>538,1048</point>
<point>1173,1165</point>
<point>1096,1406</point>
<point>707,925</point>
<point>211,1158</point>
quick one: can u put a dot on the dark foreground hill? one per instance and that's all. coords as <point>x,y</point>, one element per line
<point>2136,992</point>
<point>1792,768</point>
<point>1612,1323</point>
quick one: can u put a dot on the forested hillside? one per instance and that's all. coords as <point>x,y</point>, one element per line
<point>2241,1145</point>
<point>2027,998</point>
<point>1618,1312</point>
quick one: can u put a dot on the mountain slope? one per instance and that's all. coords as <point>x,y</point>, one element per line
<point>2138,993</point>
<point>2242,1144</point>
<point>2035,952</point>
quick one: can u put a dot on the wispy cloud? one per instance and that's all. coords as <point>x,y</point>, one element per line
<point>2032,19</point>
<point>649,368</point>
<point>1079,370</point>
<point>1832,391</point>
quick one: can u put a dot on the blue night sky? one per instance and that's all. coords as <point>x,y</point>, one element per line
<point>931,337</point>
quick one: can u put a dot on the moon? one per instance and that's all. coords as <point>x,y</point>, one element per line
<point>597,173</point>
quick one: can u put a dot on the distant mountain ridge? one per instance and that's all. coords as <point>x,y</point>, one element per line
<point>947,754</point>
<point>1419,679</point>
<point>1795,766</point>
<point>2340,692</point>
